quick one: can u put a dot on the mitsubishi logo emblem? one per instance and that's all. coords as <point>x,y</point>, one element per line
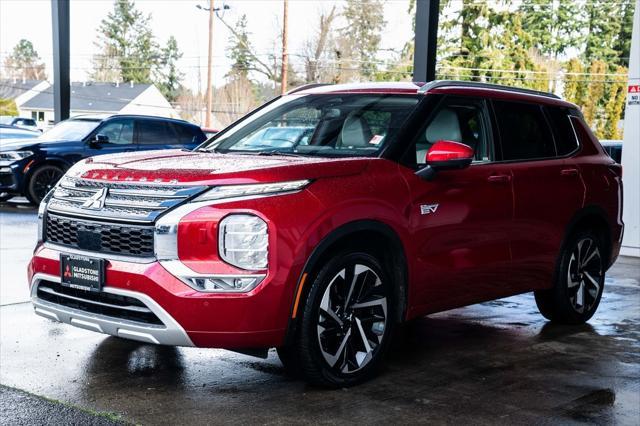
<point>96,201</point>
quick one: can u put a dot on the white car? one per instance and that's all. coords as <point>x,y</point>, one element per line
<point>20,122</point>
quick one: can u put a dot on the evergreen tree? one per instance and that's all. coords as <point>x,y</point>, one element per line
<point>595,92</point>
<point>169,76</point>
<point>574,85</point>
<point>622,45</point>
<point>362,35</point>
<point>240,49</point>
<point>24,62</point>
<point>604,24</point>
<point>615,105</point>
<point>125,38</point>
<point>553,25</point>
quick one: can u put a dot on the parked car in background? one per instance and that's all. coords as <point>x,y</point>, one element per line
<point>20,122</point>
<point>361,206</point>
<point>613,148</point>
<point>32,167</point>
<point>209,132</point>
<point>10,132</point>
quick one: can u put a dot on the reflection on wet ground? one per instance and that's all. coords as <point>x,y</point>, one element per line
<point>498,362</point>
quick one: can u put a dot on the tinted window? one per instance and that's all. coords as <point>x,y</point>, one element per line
<point>119,132</point>
<point>565,137</point>
<point>459,120</point>
<point>523,131</point>
<point>185,134</point>
<point>155,132</point>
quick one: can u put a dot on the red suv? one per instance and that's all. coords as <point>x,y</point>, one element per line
<point>320,221</point>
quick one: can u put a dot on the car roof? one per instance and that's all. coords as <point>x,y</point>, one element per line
<point>100,117</point>
<point>439,86</point>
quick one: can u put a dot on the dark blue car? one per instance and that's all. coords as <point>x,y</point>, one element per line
<point>32,167</point>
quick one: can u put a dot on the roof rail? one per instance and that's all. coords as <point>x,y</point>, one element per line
<point>306,86</point>
<point>457,83</point>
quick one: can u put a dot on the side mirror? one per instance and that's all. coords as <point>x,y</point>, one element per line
<point>97,140</point>
<point>446,155</point>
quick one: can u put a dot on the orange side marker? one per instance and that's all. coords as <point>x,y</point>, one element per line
<point>295,305</point>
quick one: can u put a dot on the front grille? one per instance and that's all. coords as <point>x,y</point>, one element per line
<point>126,240</point>
<point>118,201</point>
<point>111,305</point>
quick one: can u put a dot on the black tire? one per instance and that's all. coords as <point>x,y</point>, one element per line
<point>324,350</point>
<point>41,181</point>
<point>578,283</point>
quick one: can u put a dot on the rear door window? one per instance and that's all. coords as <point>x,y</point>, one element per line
<point>565,137</point>
<point>185,134</point>
<point>524,133</point>
<point>155,132</point>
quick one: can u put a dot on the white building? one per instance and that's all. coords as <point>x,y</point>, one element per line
<point>35,99</point>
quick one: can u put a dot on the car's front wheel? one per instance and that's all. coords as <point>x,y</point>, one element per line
<point>42,180</point>
<point>579,281</point>
<point>347,321</point>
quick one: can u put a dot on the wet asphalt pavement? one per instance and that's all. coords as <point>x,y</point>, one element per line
<point>497,362</point>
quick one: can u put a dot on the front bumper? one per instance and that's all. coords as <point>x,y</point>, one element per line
<point>188,317</point>
<point>169,333</point>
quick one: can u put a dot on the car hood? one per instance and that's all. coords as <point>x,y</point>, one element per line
<point>20,144</point>
<point>203,168</point>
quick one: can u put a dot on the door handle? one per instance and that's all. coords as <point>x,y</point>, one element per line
<point>499,178</point>
<point>569,172</point>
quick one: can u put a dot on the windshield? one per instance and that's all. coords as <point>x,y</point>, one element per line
<point>326,125</point>
<point>70,130</point>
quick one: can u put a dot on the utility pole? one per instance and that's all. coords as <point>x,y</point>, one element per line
<point>285,53</point>
<point>61,80</point>
<point>207,121</point>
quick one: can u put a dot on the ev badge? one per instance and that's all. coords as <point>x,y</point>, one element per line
<point>428,208</point>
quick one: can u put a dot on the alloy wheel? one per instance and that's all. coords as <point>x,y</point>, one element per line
<point>584,276</point>
<point>352,318</point>
<point>44,181</point>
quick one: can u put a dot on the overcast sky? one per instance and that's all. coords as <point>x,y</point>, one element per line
<point>31,19</point>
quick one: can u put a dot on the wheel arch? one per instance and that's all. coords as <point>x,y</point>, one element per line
<point>380,239</point>
<point>594,218</point>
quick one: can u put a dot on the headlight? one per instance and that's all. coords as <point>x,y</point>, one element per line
<point>244,241</point>
<point>235,191</point>
<point>15,155</point>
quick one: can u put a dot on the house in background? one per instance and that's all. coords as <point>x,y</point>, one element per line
<point>101,98</point>
<point>20,91</point>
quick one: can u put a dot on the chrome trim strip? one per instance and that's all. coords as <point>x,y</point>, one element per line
<point>72,214</point>
<point>108,256</point>
<point>171,334</point>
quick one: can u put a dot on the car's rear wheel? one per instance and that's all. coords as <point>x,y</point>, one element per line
<point>579,281</point>
<point>42,180</point>
<point>346,323</point>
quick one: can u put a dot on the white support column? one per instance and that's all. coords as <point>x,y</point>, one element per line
<point>631,148</point>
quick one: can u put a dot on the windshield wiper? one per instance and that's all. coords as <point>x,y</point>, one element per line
<point>283,153</point>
